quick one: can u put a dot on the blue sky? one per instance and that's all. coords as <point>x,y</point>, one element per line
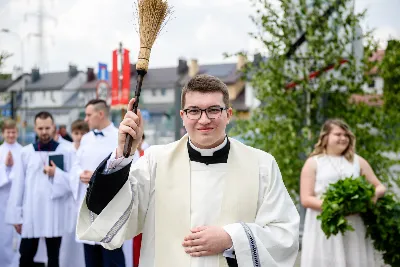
<point>88,30</point>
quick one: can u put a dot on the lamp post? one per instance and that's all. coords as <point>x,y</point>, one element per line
<point>21,44</point>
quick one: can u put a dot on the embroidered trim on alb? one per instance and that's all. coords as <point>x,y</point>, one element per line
<point>91,213</point>
<point>253,245</point>
<point>121,221</point>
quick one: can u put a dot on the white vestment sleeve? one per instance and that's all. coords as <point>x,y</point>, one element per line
<point>115,164</point>
<point>4,174</point>
<point>15,200</point>
<point>75,173</point>
<point>275,232</point>
<point>123,217</point>
<point>60,183</point>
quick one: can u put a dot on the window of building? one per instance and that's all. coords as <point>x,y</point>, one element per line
<point>371,84</point>
<point>163,91</point>
<point>153,92</point>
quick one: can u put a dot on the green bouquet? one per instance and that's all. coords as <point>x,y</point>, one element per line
<point>382,220</point>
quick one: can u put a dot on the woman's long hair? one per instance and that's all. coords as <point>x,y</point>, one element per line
<point>320,147</point>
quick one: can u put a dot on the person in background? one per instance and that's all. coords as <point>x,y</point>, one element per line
<point>78,129</point>
<point>334,158</point>
<point>94,147</point>
<point>10,152</point>
<point>62,130</point>
<point>58,138</point>
<point>38,203</point>
<point>71,252</point>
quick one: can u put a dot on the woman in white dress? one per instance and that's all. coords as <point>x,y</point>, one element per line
<point>333,159</point>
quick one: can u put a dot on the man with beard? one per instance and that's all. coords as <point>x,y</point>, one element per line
<point>40,193</point>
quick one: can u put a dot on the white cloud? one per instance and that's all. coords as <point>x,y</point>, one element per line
<point>384,34</point>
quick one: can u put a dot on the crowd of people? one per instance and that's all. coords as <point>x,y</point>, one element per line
<point>42,186</point>
<point>215,202</point>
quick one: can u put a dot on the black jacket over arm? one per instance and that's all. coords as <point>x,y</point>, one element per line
<point>103,187</point>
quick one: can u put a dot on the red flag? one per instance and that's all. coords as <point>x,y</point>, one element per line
<point>115,79</point>
<point>126,81</point>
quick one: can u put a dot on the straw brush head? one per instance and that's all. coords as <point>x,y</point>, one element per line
<point>152,15</point>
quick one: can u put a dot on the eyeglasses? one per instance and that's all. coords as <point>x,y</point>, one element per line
<point>212,113</point>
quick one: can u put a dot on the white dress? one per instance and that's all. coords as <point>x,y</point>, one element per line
<point>349,250</point>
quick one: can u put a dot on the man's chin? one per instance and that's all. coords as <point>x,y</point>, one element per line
<point>45,140</point>
<point>205,140</point>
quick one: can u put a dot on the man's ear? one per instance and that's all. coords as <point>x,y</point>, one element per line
<point>229,113</point>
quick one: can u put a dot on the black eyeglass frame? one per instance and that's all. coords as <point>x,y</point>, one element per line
<point>205,111</point>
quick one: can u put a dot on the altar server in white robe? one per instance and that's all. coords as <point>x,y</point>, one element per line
<point>9,154</point>
<point>38,203</point>
<point>99,143</point>
<point>204,201</point>
<point>71,251</point>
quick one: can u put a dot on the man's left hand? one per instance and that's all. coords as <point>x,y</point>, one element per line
<point>50,170</point>
<point>206,241</point>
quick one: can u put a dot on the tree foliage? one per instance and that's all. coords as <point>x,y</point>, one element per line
<point>3,57</point>
<point>300,85</point>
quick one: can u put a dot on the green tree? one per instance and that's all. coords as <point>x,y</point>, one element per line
<point>3,57</point>
<point>315,62</point>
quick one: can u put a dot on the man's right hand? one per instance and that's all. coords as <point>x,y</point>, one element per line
<point>132,124</point>
<point>18,228</point>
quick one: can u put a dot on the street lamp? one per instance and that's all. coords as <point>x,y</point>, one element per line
<point>21,42</point>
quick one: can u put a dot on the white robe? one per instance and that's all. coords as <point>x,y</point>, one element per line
<point>37,201</point>
<point>9,238</point>
<point>275,228</point>
<point>92,151</point>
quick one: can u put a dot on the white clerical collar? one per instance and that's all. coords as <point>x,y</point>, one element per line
<point>208,151</point>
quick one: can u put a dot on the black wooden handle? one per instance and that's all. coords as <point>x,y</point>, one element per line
<point>129,139</point>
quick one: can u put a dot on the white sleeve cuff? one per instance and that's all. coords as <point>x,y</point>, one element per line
<point>115,164</point>
<point>230,252</point>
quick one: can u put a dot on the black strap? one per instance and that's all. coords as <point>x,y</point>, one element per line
<point>232,262</point>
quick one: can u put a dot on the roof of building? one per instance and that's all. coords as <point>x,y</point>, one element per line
<point>49,81</point>
<point>4,84</point>
<point>168,77</point>
<point>373,100</point>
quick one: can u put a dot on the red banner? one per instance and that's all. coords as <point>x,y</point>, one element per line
<point>126,80</point>
<point>114,80</point>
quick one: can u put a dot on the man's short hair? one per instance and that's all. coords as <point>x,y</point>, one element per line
<point>204,83</point>
<point>43,115</point>
<point>62,126</point>
<point>8,124</point>
<point>80,125</point>
<point>99,104</point>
